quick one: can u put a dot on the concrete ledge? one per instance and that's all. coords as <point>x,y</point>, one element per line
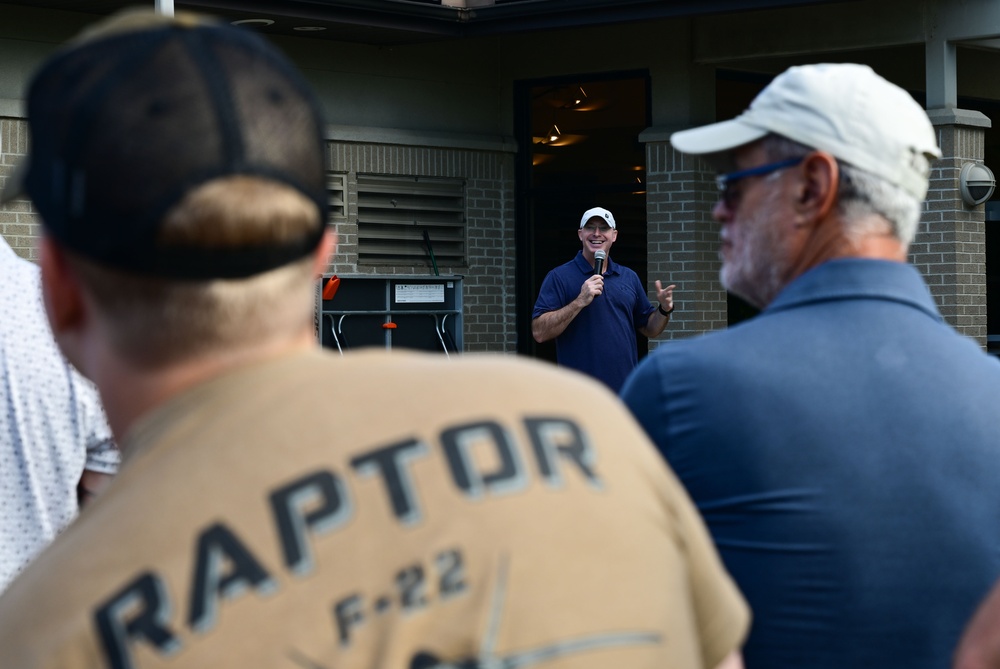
<point>658,133</point>
<point>942,116</point>
<point>953,116</point>
<point>436,140</point>
<point>11,108</point>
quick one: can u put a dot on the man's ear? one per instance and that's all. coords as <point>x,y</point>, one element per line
<point>61,292</point>
<point>819,189</point>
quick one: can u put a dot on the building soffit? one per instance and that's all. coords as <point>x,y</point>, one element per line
<point>397,22</point>
<point>940,26</point>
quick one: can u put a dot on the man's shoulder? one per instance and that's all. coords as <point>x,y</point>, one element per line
<point>40,609</point>
<point>715,346</point>
<point>275,502</point>
<point>570,267</point>
<point>624,270</point>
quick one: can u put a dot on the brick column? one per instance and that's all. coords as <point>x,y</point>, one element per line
<point>683,239</point>
<point>950,246</point>
<point>18,223</point>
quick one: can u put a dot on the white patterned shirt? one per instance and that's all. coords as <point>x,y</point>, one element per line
<point>52,425</point>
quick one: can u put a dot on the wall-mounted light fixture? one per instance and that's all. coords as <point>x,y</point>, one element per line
<point>976,183</point>
<point>253,23</point>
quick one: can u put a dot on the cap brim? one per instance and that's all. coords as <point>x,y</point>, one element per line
<point>716,138</point>
<point>13,188</point>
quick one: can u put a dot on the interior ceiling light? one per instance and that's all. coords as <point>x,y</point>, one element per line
<point>309,29</point>
<point>253,22</point>
<point>556,138</point>
<point>578,99</point>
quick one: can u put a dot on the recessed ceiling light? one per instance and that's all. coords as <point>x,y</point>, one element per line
<point>309,29</point>
<point>253,22</point>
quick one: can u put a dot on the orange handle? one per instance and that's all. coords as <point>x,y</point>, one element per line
<point>330,289</point>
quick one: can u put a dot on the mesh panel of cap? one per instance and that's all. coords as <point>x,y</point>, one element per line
<point>123,127</point>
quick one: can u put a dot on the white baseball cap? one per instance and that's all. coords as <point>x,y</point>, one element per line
<point>599,212</point>
<point>844,109</point>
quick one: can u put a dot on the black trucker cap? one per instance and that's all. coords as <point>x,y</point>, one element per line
<point>141,109</point>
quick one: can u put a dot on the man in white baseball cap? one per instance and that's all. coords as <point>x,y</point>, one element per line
<point>594,334</point>
<point>836,113</point>
<point>841,445</point>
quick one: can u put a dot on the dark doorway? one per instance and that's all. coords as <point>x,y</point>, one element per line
<point>734,91</point>
<point>991,157</point>
<point>580,148</point>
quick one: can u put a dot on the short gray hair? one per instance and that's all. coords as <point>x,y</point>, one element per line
<point>860,193</point>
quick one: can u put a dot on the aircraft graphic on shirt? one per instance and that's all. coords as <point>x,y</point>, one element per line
<point>488,659</point>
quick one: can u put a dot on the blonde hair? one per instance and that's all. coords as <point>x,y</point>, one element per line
<point>156,321</point>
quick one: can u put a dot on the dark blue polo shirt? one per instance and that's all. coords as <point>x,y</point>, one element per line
<point>600,341</point>
<point>843,447</point>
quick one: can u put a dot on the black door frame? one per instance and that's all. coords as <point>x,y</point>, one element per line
<point>525,288</point>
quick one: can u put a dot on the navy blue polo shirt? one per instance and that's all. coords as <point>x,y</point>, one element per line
<point>843,447</point>
<point>600,341</point>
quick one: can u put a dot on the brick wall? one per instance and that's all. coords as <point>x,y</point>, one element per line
<point>683,239</point>
<point>488,298</point>
<point>18,224</point>
<point>950,246</point>
<point>488,314</point>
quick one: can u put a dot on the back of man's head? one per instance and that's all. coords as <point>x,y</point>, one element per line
<point>140,112</point>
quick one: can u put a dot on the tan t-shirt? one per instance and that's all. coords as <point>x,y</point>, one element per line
<point>382,510</point>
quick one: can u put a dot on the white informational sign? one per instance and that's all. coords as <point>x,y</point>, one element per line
<point>419,293</point>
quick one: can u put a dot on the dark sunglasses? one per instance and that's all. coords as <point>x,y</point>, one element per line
<point>730,196</point>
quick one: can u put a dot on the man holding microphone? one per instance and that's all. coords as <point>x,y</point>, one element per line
<point>597,336</point>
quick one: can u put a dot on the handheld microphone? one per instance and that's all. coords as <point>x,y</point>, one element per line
<point>599,257</point>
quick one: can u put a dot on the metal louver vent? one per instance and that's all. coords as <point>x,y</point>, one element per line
<point>394,212</point>
<point>336,188</point>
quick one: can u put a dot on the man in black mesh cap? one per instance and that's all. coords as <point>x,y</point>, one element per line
<point>279,506</point>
